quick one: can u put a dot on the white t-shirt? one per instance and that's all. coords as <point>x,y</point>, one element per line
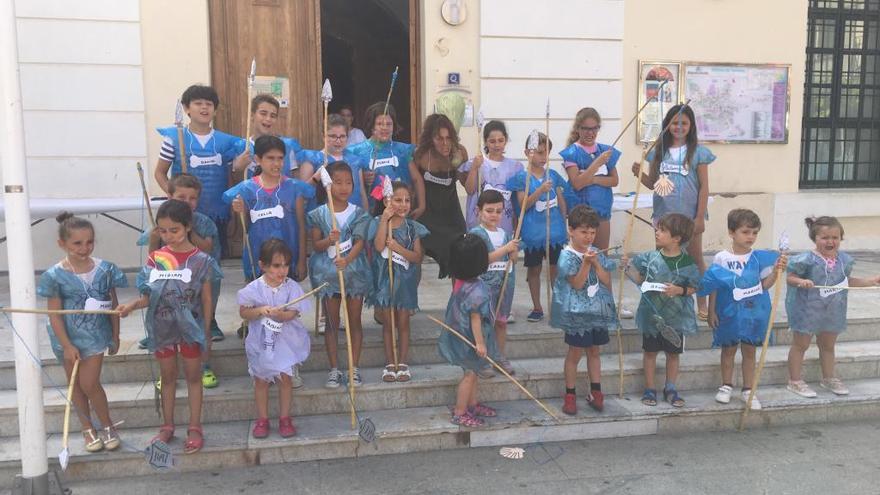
<point>732,262</point>
<point>343,216</point>
<point>496,237</point>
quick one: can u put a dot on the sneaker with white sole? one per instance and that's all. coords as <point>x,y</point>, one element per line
<point>801,388</point>
<point>357,378</point>
<point>756,404</point>
<point>296,379</point>
<point>834,385</point>
<point>723,395</point>
<point>511,318</point>
<point>334,378</point>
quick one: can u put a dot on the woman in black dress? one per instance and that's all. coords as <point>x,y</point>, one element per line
<point>435,174</point>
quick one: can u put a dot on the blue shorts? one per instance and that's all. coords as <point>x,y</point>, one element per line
<point>596,336</point>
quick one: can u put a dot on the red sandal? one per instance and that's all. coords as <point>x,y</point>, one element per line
<point>193,445</point>
<point>166,434</point>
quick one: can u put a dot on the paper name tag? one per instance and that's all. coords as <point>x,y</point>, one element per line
<point>653,287</point>
<point>270,324</point>
<point>397,258</point>
<point>384,162</point>
<point>837,288</point>
<point>504,192</point>
<point>437,180</point>
<point>673,168</point>
<point>499,266</point>
<point>343,248</point>
<point>543,205</point>
<point>276,211</point>
<point>93,304</point>
<point>203,161</point>
<point>592,290</point>
<point>184,275</point>
<point>740,294</point>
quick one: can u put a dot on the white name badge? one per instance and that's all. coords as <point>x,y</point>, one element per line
<point>673,168</point>
<point>500,266</point>
<point>384,162</point>
<point>437,180</point>
<point>543,205</point>
<point>592,290</point>
<point>270,324</point>
<point>653,287</point>
<point>276,211</point>
<point>504,192</point>
<point>204,161</point>
<point>184,275</point>
<point>397,258</point>
<point>837,288</point>
<point>93,304</point>
<point>740,294</point>
<point>343,248</point>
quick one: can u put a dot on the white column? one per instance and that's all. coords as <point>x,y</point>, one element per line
<point>28,381</point>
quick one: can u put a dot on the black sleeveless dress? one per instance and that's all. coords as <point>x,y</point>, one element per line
<point>442,216</point>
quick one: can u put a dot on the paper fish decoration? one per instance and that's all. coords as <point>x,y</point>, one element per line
<point>178,114</point>
<point>394,76</point>
<point>784,241</point>
<point>480,119</point>
<point>253,75</point>
<point>387,187</point>
<point>326,92</point>
<point>533,141</point>
<point>547,113</point>
<point>512,452</point>
<point>63,458</point>
<point>325,178</point>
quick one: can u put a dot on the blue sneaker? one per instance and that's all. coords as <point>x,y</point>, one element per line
<point>216,333</point>
<point>535,316</point>
<point>144,343</point>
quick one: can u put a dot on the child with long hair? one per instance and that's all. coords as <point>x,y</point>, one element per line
<point>470,313</point>
<point>175,287</point>
<point>277,341</point>
<point>405,248</point>
<point>819,311</point>
<point>494,170</point>
<point>80,281</point>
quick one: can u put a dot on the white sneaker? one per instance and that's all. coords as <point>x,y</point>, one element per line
<point>834,385</point>
<point>334,378</point>
<point>756,404</point>
<point>296,379</point>
<point>626,314</point>
<point>723,395</point>
<point>511,318</point>
<point>801,388</point>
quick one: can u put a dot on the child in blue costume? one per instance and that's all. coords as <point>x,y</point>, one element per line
<point>204,235</point>
<point>273,206</point>
<point>264,115</point>
<point>544,188</point>
<point>80,281</point>
<point>680,160</point>
<point>175,287</point>
<point>313,160</point>
<point>407,254</point>
<point>380,155</point>
<point>209,154</point>
<point>352,224</point>
<point>667,277</point>
<point>739,306</point>
<point>501,246</point>
<point>583,306</point>
<point>470,312</point>
<point>819,311</point>
<point>591,169</point>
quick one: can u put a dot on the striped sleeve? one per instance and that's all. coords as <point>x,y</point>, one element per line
<point>167,152</point>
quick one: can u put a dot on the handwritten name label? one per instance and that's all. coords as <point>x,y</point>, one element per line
<point>740,294</point>
<point>184,275</point>
<point>276,211</point>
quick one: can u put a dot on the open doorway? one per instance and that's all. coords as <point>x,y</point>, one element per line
<point>361,43</point>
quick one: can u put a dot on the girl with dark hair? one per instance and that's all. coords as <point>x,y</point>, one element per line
<point>381,155</point>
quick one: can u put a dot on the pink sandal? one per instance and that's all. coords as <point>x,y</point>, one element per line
<point>193,445</point>
<point>467,420</point>
<point>483,410</point>
<point>166,434</point>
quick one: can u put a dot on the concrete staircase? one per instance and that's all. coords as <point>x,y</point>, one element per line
<point>414,417</point>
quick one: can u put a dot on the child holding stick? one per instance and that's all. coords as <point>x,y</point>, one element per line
<point>501,248</point>
<point>175,286</point>
<point>819,311</point>
<point>668,278</point>
<point>352,222</point>
<point>264,115</point>
<point>470,311</point>
<point>494,170</point>
<point>739,306</point>
<point>277,341</point>
<point>80,281</point>
<point>583,306</point>
<point>312,161</point>
<point>544,183</point>
<point>679,175</point>
<point>407,253</point>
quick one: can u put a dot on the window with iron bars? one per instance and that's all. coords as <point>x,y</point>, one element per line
<point>841,126</point>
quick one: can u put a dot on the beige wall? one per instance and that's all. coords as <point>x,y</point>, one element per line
<point>176,53</point>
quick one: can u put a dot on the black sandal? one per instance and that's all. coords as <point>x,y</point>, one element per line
<point>670,394</point>
<point>649,398</point>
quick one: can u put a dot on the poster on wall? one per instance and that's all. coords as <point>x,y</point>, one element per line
<point>660,97</point>
<point>739,103</point>
<point>279,87</point>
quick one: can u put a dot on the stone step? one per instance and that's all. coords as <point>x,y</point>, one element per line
<point>434,386</point>
<point>525,341</point>
<point>521,423</point>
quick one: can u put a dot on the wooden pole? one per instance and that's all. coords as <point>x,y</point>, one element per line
<point>497,366</point>
<point>247,243</point>
<point>248,118</point>
<point>391,310</point>
<point>65,453</point>
<point>639,112</point>
<point>341,276</point>
<point>61,311</point>
<point>300,298</point>
<point>547,277</point>
<point>140,170</point>
<point>510,259</point>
